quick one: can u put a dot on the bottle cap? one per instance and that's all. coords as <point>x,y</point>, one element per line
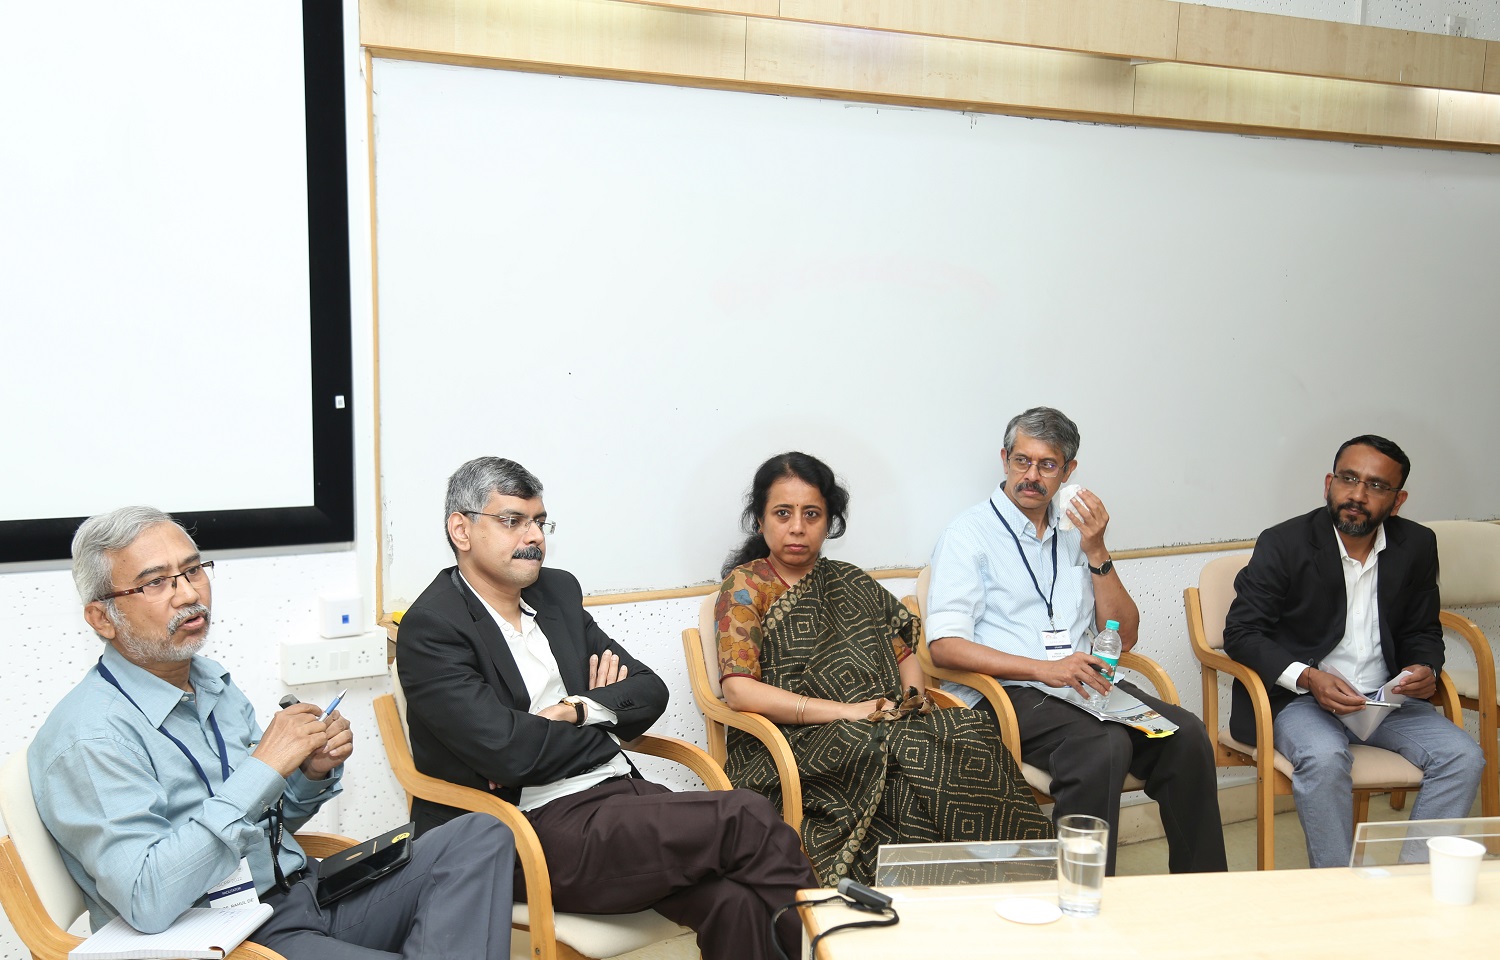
<point>1111,624</point>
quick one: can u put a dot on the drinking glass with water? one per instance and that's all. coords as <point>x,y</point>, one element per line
<point>1082,849</point>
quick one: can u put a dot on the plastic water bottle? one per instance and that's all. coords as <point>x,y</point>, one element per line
<point>1106,648</point>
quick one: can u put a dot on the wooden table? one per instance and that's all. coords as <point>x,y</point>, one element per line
<point>1275,914</point>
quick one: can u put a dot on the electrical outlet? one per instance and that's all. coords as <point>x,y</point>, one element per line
<point>342,658</point>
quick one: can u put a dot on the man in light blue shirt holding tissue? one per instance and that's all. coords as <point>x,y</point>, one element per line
<point>1018,594</point>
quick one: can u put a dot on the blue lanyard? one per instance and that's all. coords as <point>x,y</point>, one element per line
<point>1047,597</point>
<point>197,768</point>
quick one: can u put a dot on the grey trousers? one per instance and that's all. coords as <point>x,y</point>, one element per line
<point>451,901</point>
<point>1317,743</point>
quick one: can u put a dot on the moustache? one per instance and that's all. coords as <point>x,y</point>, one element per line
<point>1031,486</point>
<point>185,614</point>
<point>527,553</point>
<point>1351,505</point>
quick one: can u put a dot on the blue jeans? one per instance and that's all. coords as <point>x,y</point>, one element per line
<point>1317,744</point>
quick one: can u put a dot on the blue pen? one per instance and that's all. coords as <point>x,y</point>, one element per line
<point>334,705</point>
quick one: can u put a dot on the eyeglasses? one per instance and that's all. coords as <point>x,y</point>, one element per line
<point>1377,488</point>
<point>159,588</point>
<point>1047,468</point>
<point>517,523</point>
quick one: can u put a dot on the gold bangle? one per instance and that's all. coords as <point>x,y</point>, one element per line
<point>801,706</point>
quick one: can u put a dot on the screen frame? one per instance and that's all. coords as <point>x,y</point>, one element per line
<point>330,518</point>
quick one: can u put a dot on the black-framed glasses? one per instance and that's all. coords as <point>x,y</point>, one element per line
<point>516,523</point>
<point>1047,468</point>
<point>1378,488</point>
<point>159,588</point>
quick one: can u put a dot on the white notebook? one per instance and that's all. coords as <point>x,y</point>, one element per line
<point>200,934</point>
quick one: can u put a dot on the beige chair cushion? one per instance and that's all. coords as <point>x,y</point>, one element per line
<point>603,935</point>
<point>1373,768</point>
<point>60,896</point>
<point>710,642</point>
<point>1040,779</point>
<point>1469,561</point>
<point>1465,680</point>
<point>1216,593</point>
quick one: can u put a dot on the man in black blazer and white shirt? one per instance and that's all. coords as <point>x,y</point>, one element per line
<point>512,687</point>
<point>1331,606</point>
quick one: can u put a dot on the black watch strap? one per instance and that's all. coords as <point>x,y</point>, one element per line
<point>1103,569</point>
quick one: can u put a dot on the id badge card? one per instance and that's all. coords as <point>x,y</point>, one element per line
<point>235,890</point>
<point>1058,644</point>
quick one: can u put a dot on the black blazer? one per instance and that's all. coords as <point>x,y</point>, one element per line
<point>467,706</point>
<point>1290,605</point>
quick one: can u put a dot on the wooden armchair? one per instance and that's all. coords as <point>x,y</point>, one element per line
<point>1374,770</point>
<point>1038,779</point>
<point>553,936</point>
<point>1469,554</point>
<point>701,649</point>
<point>41,897</point>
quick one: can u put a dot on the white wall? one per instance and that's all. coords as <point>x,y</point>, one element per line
<point>262,600</point>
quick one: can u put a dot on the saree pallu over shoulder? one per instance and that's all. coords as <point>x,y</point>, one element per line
<point>838,635</point>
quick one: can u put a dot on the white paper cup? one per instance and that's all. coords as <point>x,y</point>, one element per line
<point>1455,868</point>
<point>1060,504</point>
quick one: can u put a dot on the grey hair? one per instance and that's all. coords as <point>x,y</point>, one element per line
<point>470,487</point>
<point>1050,426</point>
<point>101,535</point>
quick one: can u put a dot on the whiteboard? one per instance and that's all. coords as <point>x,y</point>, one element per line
<point>642,291</point>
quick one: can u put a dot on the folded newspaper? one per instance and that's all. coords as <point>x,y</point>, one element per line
<point>1378,705</point>
<point>1120,707</point>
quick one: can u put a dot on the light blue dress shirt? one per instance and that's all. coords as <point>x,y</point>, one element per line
<point>979,588</point>
<point>138,829</point>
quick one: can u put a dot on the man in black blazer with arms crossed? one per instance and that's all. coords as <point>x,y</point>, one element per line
<point>1331,606</point>
<point>512,687</point>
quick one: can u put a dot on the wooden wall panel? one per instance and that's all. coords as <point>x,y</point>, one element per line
<point>599,34</point>
<point>1491,67</point>
<point>1131,28</point>
<point>909,67</point>
<point>1468,117</point>
<point>1234,38</point>
<point>1306,104</point>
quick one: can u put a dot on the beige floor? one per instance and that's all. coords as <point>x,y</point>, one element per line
<point>1150,856</point>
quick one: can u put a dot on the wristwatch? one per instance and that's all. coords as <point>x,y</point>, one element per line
<point>577,703</point>
<point>1103,569</point>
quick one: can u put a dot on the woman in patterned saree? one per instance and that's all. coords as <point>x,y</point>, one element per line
<point>816,646</point>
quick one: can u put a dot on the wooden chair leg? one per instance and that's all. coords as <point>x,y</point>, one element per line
<point>1362,806</point>
<point>1265,825</point>
<point>1398,801</point>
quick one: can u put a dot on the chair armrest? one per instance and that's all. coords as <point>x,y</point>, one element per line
<point>528,845</point>
<point>1152,671</point>
<point>320,845</point>
<point>1446,699</point>
<point>1484,657</point>
<point>23,906</point>
<point>253,951</point>
<point>942,699</point>
<point>680,751</point>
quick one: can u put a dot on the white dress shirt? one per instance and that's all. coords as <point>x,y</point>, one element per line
<point>532,653</point>
<point>1357,657</point>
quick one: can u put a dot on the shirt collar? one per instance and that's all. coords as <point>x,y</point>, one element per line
<point>155,696</point>
<point>1018,521</point>
<point>1374,551</point>
<point>528,615</point>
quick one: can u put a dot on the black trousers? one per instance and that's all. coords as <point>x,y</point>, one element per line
<point>1089,758</point>
<point>716,861</point>
<point>452,901</point>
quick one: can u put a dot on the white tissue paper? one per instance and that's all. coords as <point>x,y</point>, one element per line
<point>1060,504</point>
